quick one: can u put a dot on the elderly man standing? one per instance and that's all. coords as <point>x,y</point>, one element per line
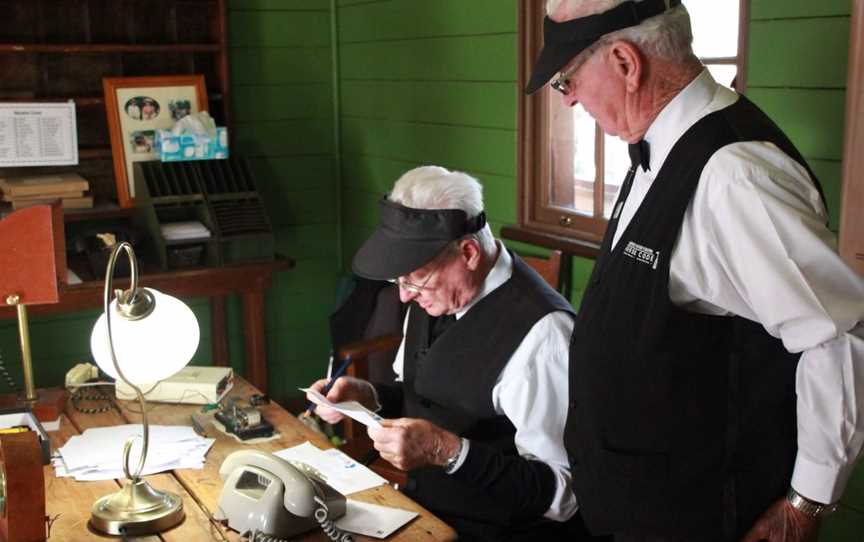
<point>483,367</point>
<point>717,361</point>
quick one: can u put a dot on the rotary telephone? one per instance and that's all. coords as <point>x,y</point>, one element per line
<point>269,499</point>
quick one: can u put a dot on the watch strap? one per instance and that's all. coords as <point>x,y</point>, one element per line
<point>810,508</point>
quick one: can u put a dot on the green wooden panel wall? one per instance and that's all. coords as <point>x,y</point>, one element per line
<point>797,73</point>
<point>281,64</point>
<point>426,83</point>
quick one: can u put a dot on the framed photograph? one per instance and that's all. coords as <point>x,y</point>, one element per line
<point>137,107</point>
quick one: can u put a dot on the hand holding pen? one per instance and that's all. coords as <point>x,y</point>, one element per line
<point>330,380</point>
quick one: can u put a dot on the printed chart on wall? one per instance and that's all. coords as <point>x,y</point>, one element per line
<point>38,134</point>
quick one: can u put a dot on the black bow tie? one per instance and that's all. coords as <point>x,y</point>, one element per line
<point>640,155</point>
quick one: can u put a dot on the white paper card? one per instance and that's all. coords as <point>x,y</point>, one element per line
<point>340,471</point>
<point>38,134</point>
<point>373,519</point>
<point>352,409</point>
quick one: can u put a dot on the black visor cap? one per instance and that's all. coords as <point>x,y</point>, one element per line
<point>563,41</point>
<point>406,239</point>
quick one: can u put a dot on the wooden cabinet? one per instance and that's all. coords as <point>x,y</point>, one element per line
<point>57,50</point>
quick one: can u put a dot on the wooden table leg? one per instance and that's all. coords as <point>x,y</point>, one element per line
<point>219,331</point>
<point>256,343</point>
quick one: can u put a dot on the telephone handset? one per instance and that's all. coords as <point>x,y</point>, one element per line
<point>269,498</point>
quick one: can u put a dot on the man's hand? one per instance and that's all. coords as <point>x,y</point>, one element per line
<point>345,388</point>
<point>783,523</point>
<point>409,443</point>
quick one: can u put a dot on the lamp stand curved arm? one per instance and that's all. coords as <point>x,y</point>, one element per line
<point>128,298</point>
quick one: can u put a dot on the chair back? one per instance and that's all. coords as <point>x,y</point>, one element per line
<point>548,268</point>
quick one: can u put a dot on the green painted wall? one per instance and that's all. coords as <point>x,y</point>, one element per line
<point>281,69</point>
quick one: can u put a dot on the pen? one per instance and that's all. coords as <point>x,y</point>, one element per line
<point>339,372</point>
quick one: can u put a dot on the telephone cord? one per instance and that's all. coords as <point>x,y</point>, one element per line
<point>327,525</point>
<point>320,514</point>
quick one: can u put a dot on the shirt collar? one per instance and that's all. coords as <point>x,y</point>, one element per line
<point>498,275</point>
<point>687,107</point>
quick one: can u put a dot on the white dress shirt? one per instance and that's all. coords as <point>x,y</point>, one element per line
<point>754,244</point>
<point>532,390</point>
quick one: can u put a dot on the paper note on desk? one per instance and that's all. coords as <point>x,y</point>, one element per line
<point>340,471</point>
<point>373,519</point>
<point>352,409</point>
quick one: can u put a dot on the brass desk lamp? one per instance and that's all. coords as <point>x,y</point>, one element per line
<point>142,336</point>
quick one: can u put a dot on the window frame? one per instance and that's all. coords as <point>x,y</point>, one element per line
<point>540,222</point>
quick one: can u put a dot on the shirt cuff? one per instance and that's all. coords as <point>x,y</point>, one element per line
<point>463,453</point>
<point>820,483</point>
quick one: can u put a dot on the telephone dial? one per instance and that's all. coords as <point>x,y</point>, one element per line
<point>269,499</point>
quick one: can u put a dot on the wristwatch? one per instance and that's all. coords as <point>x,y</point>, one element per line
<point>451,461</point>
<point>811,508</point>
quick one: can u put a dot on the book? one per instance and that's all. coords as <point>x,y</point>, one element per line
<point>14,187</point>
<point>45,196</point>
<point>84,202</point>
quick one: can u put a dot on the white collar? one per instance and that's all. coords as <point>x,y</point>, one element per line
<point>498,275</point>
<point>700,97</point>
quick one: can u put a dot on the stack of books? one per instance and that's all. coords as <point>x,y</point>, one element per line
<point>23,192</point>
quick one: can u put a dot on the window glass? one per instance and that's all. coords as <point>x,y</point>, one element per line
<point>715,27</point>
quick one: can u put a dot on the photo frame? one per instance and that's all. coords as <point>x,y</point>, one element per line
<point>136,108</point>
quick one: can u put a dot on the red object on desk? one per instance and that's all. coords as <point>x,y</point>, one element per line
<point>32,268</point>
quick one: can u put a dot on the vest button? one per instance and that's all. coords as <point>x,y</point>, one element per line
<point>574,463</point>
<point>425,403</point>
<point>573,404</point>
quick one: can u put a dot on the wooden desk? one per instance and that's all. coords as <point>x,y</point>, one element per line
<point>69,501</point>
<point>248,280</point>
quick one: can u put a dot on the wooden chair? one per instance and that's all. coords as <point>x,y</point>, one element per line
<point>548,268</point>
<point>358,443</point>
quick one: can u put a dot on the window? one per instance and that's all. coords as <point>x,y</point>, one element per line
<point>569,170</point>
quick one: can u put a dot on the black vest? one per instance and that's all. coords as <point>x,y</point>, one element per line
<point>680,424</point>
<point>450,381</point>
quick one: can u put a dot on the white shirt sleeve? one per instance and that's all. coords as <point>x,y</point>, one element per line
<point>754,243</point>
<point>532,391</point>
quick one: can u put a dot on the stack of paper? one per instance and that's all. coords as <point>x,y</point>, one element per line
<point>97,454</point>
<point>181,231</point>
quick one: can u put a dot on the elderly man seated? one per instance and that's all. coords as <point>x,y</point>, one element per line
<point>482,368</point>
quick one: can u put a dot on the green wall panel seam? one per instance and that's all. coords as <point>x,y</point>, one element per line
<point>427,38</point>
<point>805,18</point>
<point>277,10</point>
<point>427,123</point>
<point>406,80</point>
<point>414,163</point>
<point>792,87</point>
<point>280,47</point>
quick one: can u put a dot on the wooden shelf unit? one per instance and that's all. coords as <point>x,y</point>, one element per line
<point>54,51</point>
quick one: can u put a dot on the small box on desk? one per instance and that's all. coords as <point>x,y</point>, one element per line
<point>181,147</point>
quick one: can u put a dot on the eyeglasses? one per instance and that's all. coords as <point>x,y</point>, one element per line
<point>412,288</point>
<point>561,83</point>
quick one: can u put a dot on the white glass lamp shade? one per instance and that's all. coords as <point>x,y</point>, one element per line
<point>152,348</point>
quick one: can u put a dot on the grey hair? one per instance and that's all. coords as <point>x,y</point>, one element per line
<point>435,187</point>
<point>667,36</point>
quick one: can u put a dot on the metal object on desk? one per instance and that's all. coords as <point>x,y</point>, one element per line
<point>144,320</point>
<point>245,422</point>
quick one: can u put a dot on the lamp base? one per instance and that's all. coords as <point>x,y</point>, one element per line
<point>137,509</point>
<point>48,406</point>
